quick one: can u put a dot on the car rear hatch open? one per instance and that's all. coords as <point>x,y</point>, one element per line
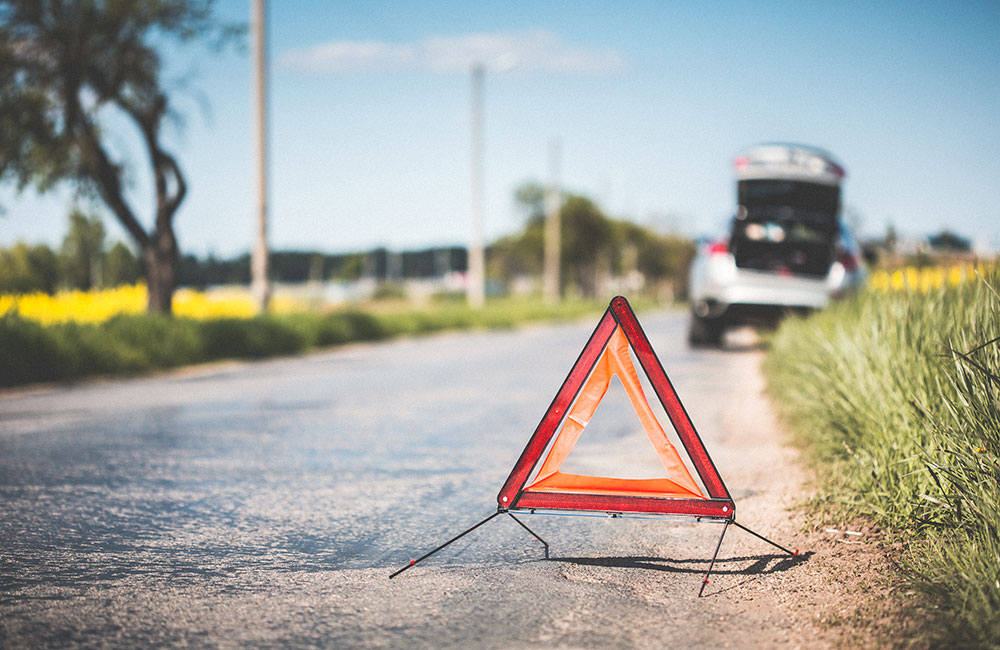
<point>786,227</point>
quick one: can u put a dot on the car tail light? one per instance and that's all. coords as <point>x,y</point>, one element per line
<point>718,248</point>
<point>848,261</point>
<point>836,169</point>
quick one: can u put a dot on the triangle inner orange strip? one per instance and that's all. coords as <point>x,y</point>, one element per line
<point>614,361</point>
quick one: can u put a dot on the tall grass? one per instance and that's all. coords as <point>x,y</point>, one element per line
<point>134,343</point>
<point>896,397</point>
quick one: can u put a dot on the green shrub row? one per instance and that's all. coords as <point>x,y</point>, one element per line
<point>31,353</point>
<point>896,398</point>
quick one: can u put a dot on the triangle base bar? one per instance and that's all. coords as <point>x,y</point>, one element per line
<point>718,508</point>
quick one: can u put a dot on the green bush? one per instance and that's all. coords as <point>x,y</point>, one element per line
<point>252,338</point>
<point>28,352</point>
<point>390,291</point>
<point>323,330</point>
<point>157,341</point>
<point>366,327</point>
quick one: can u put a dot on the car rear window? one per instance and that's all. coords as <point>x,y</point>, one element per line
<point>810,197</point>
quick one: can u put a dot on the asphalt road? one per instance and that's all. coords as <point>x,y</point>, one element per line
<point>265,505</point>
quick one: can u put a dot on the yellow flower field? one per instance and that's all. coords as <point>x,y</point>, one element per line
<point>99,306</point>
<point>924,279</point>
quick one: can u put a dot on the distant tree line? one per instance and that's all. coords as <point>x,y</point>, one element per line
<point>593,246</point>
<point>892,251</point>
<point>82,262</point>
<point>294,267</point>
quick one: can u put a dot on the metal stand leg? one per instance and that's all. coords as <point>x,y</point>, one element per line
<point>453,539</point>
<point>714,556</point>
<point>544,543</point>
<point>794,553</point>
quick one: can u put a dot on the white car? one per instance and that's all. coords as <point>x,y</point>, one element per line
<point>787,249</point>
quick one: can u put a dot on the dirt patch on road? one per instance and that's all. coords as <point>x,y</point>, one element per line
<point>845,595</point>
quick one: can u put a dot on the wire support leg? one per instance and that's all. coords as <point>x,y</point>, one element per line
<point>533,533</point>
<point>794,553</point>
<point>453,539</point>
<point>715,555</point>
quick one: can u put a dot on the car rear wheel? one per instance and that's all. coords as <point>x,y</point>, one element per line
<point>705,332</point>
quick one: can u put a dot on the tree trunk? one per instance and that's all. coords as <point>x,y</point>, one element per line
<point>161,271</point>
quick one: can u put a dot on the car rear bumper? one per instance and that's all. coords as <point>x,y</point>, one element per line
<point>752,296</point>
<point>775,291</point>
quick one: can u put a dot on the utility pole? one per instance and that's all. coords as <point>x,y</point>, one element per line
<point>260,282</point>
<point>476,280</point>
<point>553,202</point>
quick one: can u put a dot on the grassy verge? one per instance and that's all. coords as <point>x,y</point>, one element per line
<point>30,352</point>
<point>896,398</point>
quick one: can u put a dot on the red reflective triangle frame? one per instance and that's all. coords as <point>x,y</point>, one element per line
<point>514,495</point>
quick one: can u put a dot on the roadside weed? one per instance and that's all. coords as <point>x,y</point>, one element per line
<point>895,395</point>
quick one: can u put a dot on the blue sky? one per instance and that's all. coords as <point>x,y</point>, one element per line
<point>649,100</point>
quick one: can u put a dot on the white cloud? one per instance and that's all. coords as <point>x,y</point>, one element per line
<point>527,50</point>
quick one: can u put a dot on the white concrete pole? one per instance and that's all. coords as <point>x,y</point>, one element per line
<point>553,202</point>
<point>476,280</point>
<point>260,282</point>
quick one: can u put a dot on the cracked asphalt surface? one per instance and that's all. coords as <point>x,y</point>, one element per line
<point>265,505</point>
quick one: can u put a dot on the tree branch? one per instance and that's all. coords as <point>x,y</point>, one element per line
<point>181,191</point>
<point>108,181</point>
<point>163,163</point>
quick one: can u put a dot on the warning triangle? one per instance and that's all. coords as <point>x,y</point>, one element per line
<point>614,361</point>
<point>606,355</point>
